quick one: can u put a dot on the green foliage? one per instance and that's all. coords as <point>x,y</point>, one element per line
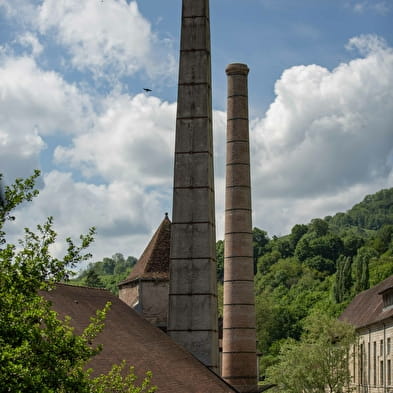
<point>361,265</point>
<point>372,213</point>
<point>267,260</point>
<point>260,240</point>
<point>106,273</point>
<point>320,267</point>
<point>343,283</point>
<point>328,246</point>
<point>318,363</point>
<point>319,227</point>
<point>380,268</point>
<point>297,233</point>
<point>38,351</point>
<point>93,280</point>
<point>321,264</point>
<point>116,382</point>
<point>220,260</point>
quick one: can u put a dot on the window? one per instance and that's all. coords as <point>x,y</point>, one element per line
<point>375,362</point>
<point>381,373</point>
<point>387,298</point>
<point>368,363</point>
<point>388,346</point>
<point>389,370</point>
<point>381,348</point>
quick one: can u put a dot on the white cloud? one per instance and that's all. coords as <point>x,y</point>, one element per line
<point>109,38</point>
<point>132,139</point>
<point>35,103</point>
<point>23,10</point>
<point>326,137</point>
<point>367,44</point>
<point>124,214</point>
<point>360,7</point>
<point>32,98</point>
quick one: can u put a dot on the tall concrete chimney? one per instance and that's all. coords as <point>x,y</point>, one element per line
<point>192,320</point>
<point>239,359</point>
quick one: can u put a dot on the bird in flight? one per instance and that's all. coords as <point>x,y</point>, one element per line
<point>147,90</point>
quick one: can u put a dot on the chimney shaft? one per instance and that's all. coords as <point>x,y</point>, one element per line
<point>192,320</point>
<point>239,361</point>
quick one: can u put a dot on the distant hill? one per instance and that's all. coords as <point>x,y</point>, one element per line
<point>106,273</point>
<point>320,266</point>
<point>373,212</point>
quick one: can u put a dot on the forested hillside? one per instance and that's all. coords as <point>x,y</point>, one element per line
<point>106,273</point>
<point>319,267</point>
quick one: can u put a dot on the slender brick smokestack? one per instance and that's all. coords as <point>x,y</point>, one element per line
<point>239,361</point>
<point>192,320</point>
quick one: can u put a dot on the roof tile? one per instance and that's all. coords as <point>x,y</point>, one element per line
<point>154,261</point>
<point>367,307</point>
<point>128,336</point>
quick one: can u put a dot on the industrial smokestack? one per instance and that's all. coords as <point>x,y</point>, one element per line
<point>239,359</point>
<point>192,319</point>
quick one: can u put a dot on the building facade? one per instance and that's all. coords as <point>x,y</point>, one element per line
<point>371,312</point>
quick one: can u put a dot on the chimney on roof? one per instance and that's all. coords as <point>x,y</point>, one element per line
<point>192,319</point>
<point>239,357</point>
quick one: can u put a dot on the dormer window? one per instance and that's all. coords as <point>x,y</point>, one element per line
<point>387,297</point>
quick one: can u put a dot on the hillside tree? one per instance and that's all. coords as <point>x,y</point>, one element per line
<point>318,363</point>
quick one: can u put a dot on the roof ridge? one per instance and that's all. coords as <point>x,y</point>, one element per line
<point>82,286</point>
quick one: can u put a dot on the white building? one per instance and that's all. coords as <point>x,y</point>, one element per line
<point>371,312</point>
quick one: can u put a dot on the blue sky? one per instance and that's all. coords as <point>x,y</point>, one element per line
<point>72,104</point>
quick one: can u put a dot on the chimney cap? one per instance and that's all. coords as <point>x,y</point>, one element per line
<point>237,68</point>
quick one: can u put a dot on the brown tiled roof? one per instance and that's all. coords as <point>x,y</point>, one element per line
<point>128,336</point>
<point>154,262</point>
<point>367,307</point>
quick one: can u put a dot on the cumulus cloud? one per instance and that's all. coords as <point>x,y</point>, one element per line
<point>328,134</point>
<point>20,9</point>
<point>132,139</point>
<point>108,38</point>
<point>122,212</point>
<point>35,103</point>
<point>32,98</point>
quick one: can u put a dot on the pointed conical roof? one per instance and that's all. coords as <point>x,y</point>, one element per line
<point>154,262</point>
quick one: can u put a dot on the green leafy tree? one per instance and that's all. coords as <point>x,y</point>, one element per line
<point>319,227</point>
<point>318,363</point>
<point>108,265</point>
<point>220,260</point>
<point>93,280</point>
<point>38,351</point>
<point>297,233</point>
<point>362,271</point>
<point>260,241</point>
<point>343,283</point>
<point>352,242</point>
<point>267,260</point>
<point>321,264</point>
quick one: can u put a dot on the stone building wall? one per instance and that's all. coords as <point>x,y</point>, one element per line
<point>129,293</point>
<point>149,298</point>
<point>371,365</point>
<point>154,301</point>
